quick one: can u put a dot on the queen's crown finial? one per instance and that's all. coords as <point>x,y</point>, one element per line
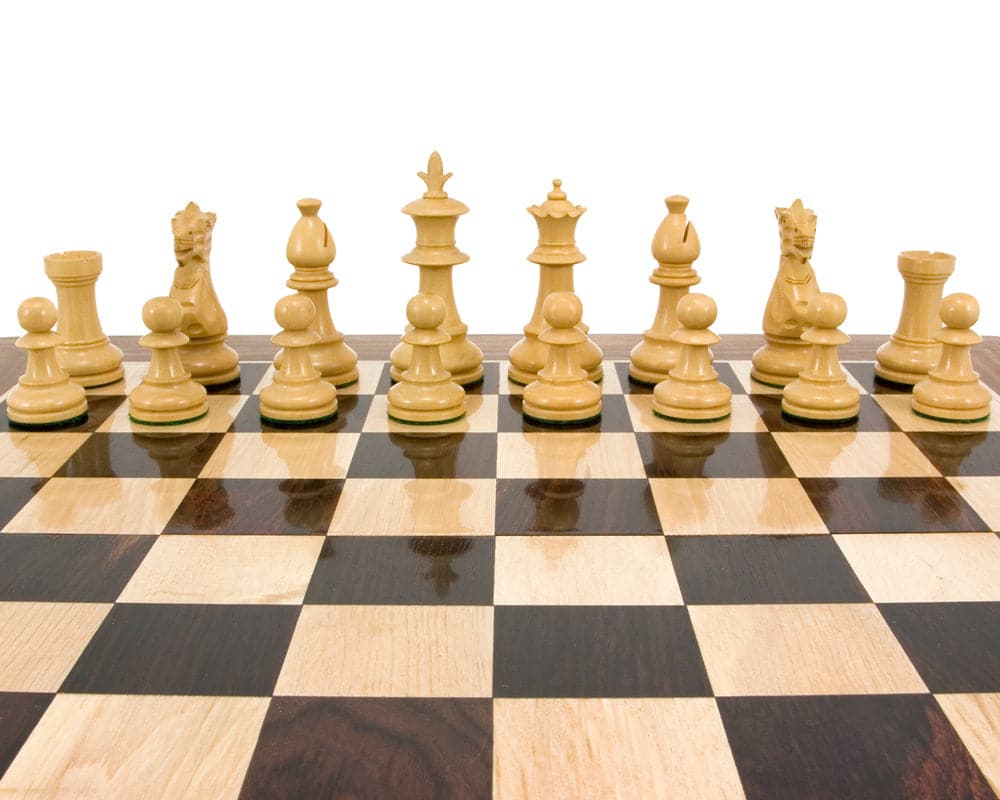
<point>435,178</point>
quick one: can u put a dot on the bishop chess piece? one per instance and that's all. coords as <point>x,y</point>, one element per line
<point>821,393</point>
<point>167,395</point>
<point>675,248</point>
<point>44,397</point>
<point>556,254</point>
<point>206,355</point>
<point>562,394</point>
<point>435,216</point>
<point>952,391</point>
<point>784,354</point>
<point>426,393</point>
<point>298,395</point>
<point>692,391</point>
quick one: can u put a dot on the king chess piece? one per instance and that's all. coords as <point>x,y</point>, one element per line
<point>784,355</point>
<point>206,355</point>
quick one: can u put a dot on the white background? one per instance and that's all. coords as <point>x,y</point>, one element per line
<point>881,116</point>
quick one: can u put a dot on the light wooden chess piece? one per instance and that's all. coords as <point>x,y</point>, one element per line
<point>692,391</point>
<point>821,393</point>
<point>952,391</point>
<point>675,248</point>
<point>556,254</point>
<point>913,349</point>
<point>167,395</point>
<point>298,395</point>
<point>784,355</point>
<point>311,251</point>
<point>562,393</point>
<point>44,397</point>
<point>435,216</point>
<point>85,353</point>
<point>426,394</point>
<point>206,356</point>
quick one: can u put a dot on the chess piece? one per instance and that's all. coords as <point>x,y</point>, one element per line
<point>435,215</point>
<point>952,391</point>
<point>675,248</point>
<point>821,393</point>
<point>44,397</point>
<point>206,356</point>
<point>426,393</point>
<point>555,255</point>
<point>298,395</point>
<point>562,393</point>
<point>913,349</point>
<point>85,353</point>
<point>167,395</point>
<point>784,354</point>
<point>692,391</point>
<point>311,251</point>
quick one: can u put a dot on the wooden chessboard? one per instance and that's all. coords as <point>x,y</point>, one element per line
<point>635,609</point>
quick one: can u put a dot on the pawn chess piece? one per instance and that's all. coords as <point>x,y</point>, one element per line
<point>821,393</point>
<point>167,395</point>
<point>562,394</point>
<point>952,391</point>
<point>298,395</point>
<point>45,397</point>
<point>692,391</point>
<point>426,394</point>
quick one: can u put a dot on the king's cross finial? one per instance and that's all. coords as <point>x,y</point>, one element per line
<point>435,177</point>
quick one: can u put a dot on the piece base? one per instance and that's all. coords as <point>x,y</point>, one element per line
<point>297,423</point>
<point>958,420</point>
<point>697,421</point>
<point>47,426</point>
<point>425,422</point>
<point>167,422</point>
<point>98,378</point>
<point>644,378</point>
<point>562,423</point>
<point>227,378</point>
<point>819,423</point>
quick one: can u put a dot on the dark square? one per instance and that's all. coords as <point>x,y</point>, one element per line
<point>567,505</point>
<point>352,410</point>
<point>384,379</point>
<point>961,452</point>
<point>159,454</point>
<point>864,372</point>
<point>56,568</point>
<point>99,408</point>
<point>712,455</point>
<point>870,418</point>
<point>727,570</point>
<point>954,646</point>
<point>19,713</point>
<point>373,747</point>
<point>891,505</point>
<point>862,747</point>
<point>404,570</point>
<point>724,368</point>
<point>614,417</point>
<point>490,384</point>
<point>15,494</point>
<point>257,505</point>
<point>251,374</point>
<point>185,649</point>
<point>425,454</point>
<point>596,651</point>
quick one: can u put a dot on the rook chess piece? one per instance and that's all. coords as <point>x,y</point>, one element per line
<point>562,394</point>
<point>821,393</point>
<point>692,391</point>
<point>952,391</point>
<point>298,395</point>
<point>167,395</point>
<point>44,397</point>
<point>426,393</point>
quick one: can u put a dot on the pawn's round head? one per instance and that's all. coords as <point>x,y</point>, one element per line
<point>295,312</point>
<point>425,311</point>
<point>162,314</point>
<point>826,310</point>
<point>959,310</point>
<point>562,310</point>
<point>37,315</point>
<point>696,311</point>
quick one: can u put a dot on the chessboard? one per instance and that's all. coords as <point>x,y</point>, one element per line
<point>637,608</point>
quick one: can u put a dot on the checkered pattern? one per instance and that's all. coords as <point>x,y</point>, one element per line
<point>638,608</point>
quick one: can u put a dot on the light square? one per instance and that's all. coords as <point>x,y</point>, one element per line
<point>568,454</point>
<point>900,410</point>
<point>222,410</point>
<point>718,506</point>
<point>40,642</point>
<point>976,719</point>
<point>428,507</point>
<point>849,454</point>
<point>390,651</point>
<point>369,373</point>
<point>282,454</point>
<point>744,418</point>
<point>621,748</point>
<point>138,747</point>
<point>983,494</point>
<point>134,371</point>
<point>799,649</point>
<point>26,454</point>
<point>225,569</point>
<point>480,417</point>
<point>134,506</point>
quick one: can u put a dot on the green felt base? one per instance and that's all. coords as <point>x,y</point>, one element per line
<point>426,423</point>
<point>820,423</point>
<point>564,423</point>
<point>692,421</point>
<point>48,426</point>
<point>955,421</point>
<point>168,424</point>
<point>297,423</point>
